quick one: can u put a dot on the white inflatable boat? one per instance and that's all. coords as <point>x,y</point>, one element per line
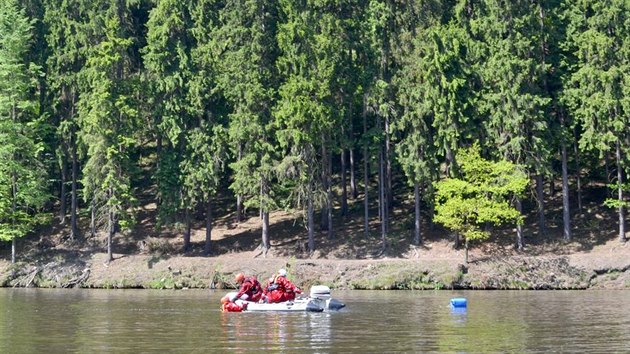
<point>319,300</point>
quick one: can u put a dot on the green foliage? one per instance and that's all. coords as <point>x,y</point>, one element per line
<point>481,196</point>
<point>22,175</point>
<point>108,118</point>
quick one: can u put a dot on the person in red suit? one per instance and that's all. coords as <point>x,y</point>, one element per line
<point>280,288</point>
<point>229,306</point>
<point>250,290</point>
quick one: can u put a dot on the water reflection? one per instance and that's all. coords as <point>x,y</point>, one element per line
<point>81,321</point>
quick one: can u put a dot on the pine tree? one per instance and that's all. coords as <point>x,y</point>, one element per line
<point>513,97</point>
<point>436,95</point>
<point>22,174</point>
<point>597,89</point>
<point>108,119</point>
<point>246,50</point>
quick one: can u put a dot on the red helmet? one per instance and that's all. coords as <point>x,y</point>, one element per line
<point>239,277</point>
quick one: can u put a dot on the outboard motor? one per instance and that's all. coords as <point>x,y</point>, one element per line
<point>313,307</point>
<point>335,305</point>
<point>321,295</point>
<point>321,292</point>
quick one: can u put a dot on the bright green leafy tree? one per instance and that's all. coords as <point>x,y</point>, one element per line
<point>482,195</point>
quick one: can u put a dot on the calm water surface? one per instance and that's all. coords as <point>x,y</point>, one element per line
<point>189,321</point>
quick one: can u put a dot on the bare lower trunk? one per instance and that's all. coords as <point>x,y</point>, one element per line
<point>622,217</point>
<point>239,197</point>
<point>265,231</point>
<point>566,213</point>
<point>187,230</point>
<point>329,197</point>
<point>265,215</point>
<point>239,208</point>
<point>541,204</point>
<point>578,178</point>
<point>607,166</point>
<point>323,223</point>
<point>311,232</point>
<point>519,228</point>
<point>344,189</point>
<point>62,194</point>
<point>354,191</point>
<point>111,230</point>
<point>74,229</point>
<point>14,191</point>
<point>466,251</point>
<point>93,220</point>
<point>366,227</point>
<point>388,171</point>
<point>13,250</point>
<point>382,199</point>
<point>417,237</point>
<point>208,245</point>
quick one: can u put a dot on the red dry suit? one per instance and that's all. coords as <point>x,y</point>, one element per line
<point>233,307</point>
<point>281,289</point>
<point>252,288</point>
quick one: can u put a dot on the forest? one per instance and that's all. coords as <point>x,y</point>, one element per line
<point>303,105</point>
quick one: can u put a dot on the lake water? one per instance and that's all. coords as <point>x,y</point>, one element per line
<point>189,321</point>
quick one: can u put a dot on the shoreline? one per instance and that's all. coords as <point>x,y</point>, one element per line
<point>575,271</point>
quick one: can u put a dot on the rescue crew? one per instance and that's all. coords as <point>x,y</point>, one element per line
<point>250,288</point>
<point>280,289</point>
<point>230,306</point>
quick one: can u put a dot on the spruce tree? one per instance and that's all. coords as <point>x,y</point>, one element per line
<point>23,189</point>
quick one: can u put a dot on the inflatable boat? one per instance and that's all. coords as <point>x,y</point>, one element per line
<point>318,300</point>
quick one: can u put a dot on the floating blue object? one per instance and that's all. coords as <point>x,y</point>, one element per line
<point>459,302</point>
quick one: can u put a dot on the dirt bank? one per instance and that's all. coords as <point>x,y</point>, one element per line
<point>437,266</point>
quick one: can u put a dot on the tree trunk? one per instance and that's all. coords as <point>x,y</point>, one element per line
<point>93,219</point>
<point>13,250</point>
<point>239,196</point>
<point>329,197</point>
<point>187,230</point>
<point>382,199</point>
<point>466,252</point>
<point>323,222</point>
<point>354,191</point>
<point>208,245</point>
<point>519,228</point>
<point>265,215</point>
<point>111,230</point>
<point>14,212</point>
<point>366,180</point>
<point>417,237</point>
<point>265,232</point>
<point>62,193</point>
<point>389,198</point>
<point>541,204</point>
<point>578,177</point>
<point>74,229</point>
<point>622,217</point>
<point>566,214</point>
<point>311,232</point>
<point>344,189</point>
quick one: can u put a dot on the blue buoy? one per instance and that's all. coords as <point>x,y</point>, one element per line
<point>459,302</point>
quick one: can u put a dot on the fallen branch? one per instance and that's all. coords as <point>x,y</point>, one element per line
<point>77,280</point>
